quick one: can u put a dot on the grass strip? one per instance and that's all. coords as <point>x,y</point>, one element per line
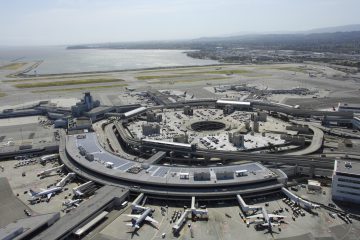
<point>292,69</point>
<point>12,66</point>
<point>158,77</point>
<point>227,72</point>
<point>65,83</point>
<point>48,78</point>
<point>80,88</point>
<point>191,80</point>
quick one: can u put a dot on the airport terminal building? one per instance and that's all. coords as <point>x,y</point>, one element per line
<point>346,181</point>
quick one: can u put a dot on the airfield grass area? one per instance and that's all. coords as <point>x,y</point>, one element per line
<point>158,77</point>
<point>292,69</point>
<point>81,88</point>
<point>13,66</point>
<point>190,80</point>
<point>65,83</point>
<point>47,78</point>
<point>211,72</point>
<point>2,94</point>
<point>177,69</point>
<point>227,72</point>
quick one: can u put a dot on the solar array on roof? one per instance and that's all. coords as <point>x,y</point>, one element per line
<point>121,164</point>
<point>126,166</point>
<point>161,172</point>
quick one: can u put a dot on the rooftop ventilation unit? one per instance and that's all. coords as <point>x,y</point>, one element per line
<point>348,164</point>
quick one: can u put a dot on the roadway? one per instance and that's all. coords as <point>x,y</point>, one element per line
<point>315,145</point>
<point>325,163</point>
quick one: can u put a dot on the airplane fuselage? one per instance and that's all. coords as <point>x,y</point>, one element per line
<point>139,221</point>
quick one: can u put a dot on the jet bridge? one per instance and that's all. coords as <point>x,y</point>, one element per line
<point>244,207</point>
<point>69,177</point>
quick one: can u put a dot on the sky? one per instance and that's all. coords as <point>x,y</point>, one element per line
<point>63,22</point>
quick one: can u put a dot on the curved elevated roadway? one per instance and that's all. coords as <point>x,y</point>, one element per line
<point>325,163</point>
<point>315,145</point>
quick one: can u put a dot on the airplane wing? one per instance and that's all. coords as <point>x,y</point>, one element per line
<point>276,216</point>
<point>134,216</point>
<point>49,195</point>
<point>255,216</point>
<point>272,224</point>
<point>149,219</point>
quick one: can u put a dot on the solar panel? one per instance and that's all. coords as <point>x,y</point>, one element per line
<point>161,172</point>
<point>126,166</point>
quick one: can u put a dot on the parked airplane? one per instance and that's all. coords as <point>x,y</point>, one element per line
<point>267,219</point>
<point>45,192</point>
<point>70,203</point>
<point>137,220</point>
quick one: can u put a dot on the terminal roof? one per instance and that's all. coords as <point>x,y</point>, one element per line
<point>233,102</point>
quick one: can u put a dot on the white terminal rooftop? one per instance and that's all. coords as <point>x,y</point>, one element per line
<point>135,111</point>
<point>229,102</point>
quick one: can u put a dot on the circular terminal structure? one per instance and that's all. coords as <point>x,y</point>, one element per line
<point>201,126</point>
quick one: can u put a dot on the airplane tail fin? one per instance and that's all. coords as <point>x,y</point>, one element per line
<point>32,193</point>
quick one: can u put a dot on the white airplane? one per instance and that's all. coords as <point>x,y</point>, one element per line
<point>267,219</point>
<point>70,203</point>
<point>45,192</point>
<point>137,220</point>
<point>9,143</point>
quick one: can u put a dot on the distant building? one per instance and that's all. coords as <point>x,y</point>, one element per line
<point>60,123</point>
<point>238,140</point>
<point>255,126</point>
<point>182,138</point>
<point>348,107</point>
<point>262,116</point>
<point>314,185</point>
<point>150,129</point>
<point>85,105</point>
<point>98,113</point>
<point>81,123</point>
<point>188,111</point>
<point>346,181</point>
<point>153,117</point>
<point>228,109</point>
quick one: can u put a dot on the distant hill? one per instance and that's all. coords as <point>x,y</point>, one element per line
<point>342,39</point>
<point>344,28</point>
